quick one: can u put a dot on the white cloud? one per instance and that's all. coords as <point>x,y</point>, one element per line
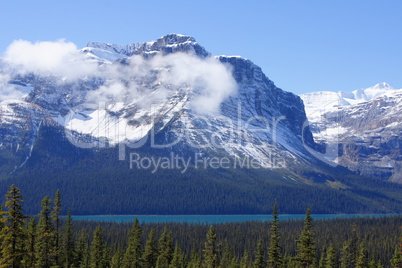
<point>59,58</point>
<point>210,81</point>
<point>8,91</point>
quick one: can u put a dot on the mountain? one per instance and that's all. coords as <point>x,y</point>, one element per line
<point>365,123</point>
<point>164,127</point>
<point>253,118</point>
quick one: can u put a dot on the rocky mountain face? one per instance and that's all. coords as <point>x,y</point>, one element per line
<point>138,90</point>
<point>365,123</point>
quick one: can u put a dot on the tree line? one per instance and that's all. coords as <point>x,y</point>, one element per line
<point>47,240</point>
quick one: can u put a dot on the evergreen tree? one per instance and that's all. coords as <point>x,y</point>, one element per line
<point>379,264</point>
<point>234,263</point>
<point>227,255</point>
<point>106,255</point>
<point>321,261</point>
<point>68,249</point>
<point>346,260</point>
<point>133,254</point>
<point>151,251</point>
<point>350,250</point>
<point>82,256</point>
<point>31,232</point>
<point>195,261</point>
<point>331,259</point>
<point>289,262</point>
<point>372,263</point>
<point>259,256</point>
<point>56,218</point>
<point>45,239</point>
<point>362,258</point>
<point>97,249</point>
<point>86,258</point>
<point>2,214</point>
<point>117,260</point>
<point>178,258</point>
<point>12,234</point>
<point>165,249</point>
<point>306,251</point>
<point>396,260</point>
<point>245,261</point>
<point>211,250</point>
<point>274,250</point>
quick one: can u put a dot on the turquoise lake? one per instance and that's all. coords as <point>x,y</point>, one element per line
<point>210,219</point>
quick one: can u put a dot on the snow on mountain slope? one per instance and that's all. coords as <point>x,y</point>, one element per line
<point>102,55</point>
<point>367,125</point>
<point>317,103</point>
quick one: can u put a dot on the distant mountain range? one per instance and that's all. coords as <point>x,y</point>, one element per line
<point>365,123</point>
<point>164,127</point>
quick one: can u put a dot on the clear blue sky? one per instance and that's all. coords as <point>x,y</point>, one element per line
<point>301,45</point>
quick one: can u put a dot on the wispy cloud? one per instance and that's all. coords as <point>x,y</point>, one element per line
<point>208,81</point>
<point>59,58</point>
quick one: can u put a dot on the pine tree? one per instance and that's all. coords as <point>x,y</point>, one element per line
<point>31,243</point>
<point>350,250</point>
<point>274,250</point>
<point>396,260</point>
<point>227,255</point>
<point>331,259</point>
<point>321,261</point>
<point>150,254</point>
<point>362,258</point>
<point>86,258</point>
<point>97,249</point>
<point>117,260</point>
<point>372,263</point>
<point>259,256</point>
<point>289,262</point>
<point>234,263</point>
<point>306,251</point>
<point>12,234</point>
<point>245,261</point>
<point>195,260</point>
<point>55,214</point>
<point>165,249</point>
<point>133,254</point>
<point>2,214</point>
<point>178,258</point>
<point>46,237</point>
<point>379,264</point>
<point>346,260</point>
<point>68,249</point>
<point>82,258</point>
<point>211,250</point>
<point>106,255</point>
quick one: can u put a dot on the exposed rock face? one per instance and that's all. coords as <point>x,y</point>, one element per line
<point>366,124</point>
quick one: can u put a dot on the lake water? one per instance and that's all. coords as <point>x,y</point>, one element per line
<point>211,219</point>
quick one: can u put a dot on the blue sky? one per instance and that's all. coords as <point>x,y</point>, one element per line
<point>302,46</point>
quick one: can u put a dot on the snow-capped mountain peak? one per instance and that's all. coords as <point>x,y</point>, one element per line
<point>329,100</point>
<point>171,43</point>
<point>366,121</point>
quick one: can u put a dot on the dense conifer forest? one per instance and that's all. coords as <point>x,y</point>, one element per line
<point>90,180</point>
<point>50,240</point>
